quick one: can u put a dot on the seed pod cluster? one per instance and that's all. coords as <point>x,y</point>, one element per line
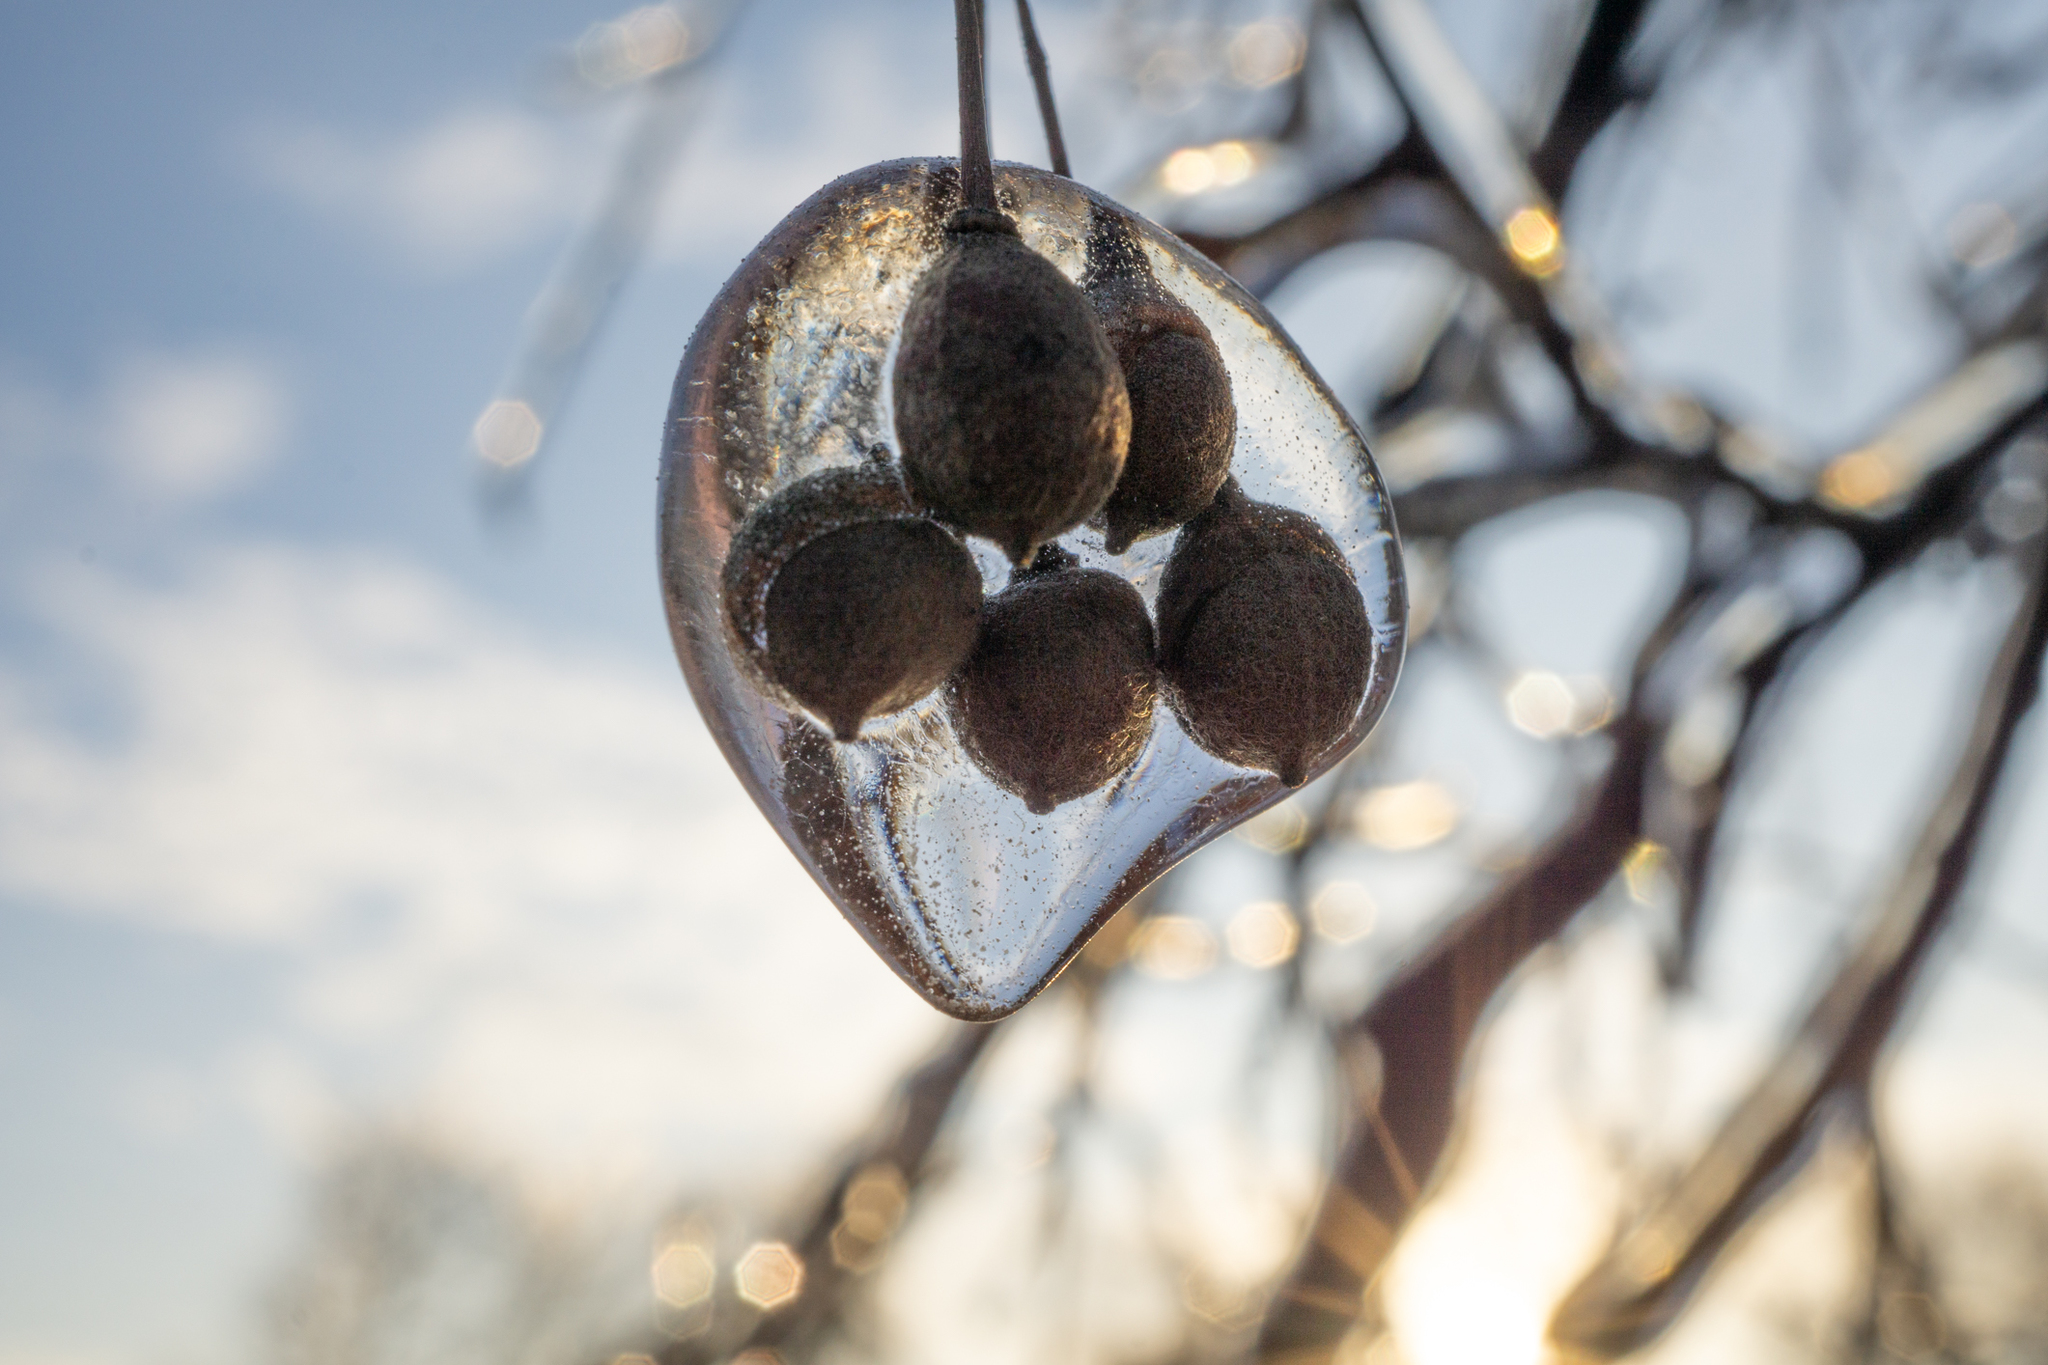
<point>1183,419</point>
<point>1056,699</point>
<point>1009,401</point>
<point>848,599</point>
<point>1024,407</point>
<point>1263,638</point>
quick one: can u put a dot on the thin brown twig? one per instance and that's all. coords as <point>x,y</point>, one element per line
<point>903,1139</point>
<point>977,168</point>
<point>565,321</point>
<point>1423,1022</point>
<point>1041,78</point>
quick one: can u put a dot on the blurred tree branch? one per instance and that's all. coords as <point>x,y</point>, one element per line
<point>1452,182</point>
<point>1639,1286</point>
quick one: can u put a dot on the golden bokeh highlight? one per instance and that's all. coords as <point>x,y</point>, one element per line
<point>683,1274</point>
<point>1343,912</point>
<point>1643,870</point>
<point>1281,829</point>
<point>769,1276</point>
<point>1192,170</point>
<point>1547,705</point>
<point>1686,423</point>
<point>1405,816</point>
<point>869,1211</point>
<point>1173,948</point>
<point>1541,704</point>
<point>1861,479</point>
<point>507,433</point>
<point>1263,934</point>
<point>1265,53</point>
<point>1533,239</point>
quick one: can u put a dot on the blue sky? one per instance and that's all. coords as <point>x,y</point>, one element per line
<point>269,266</point>
<point>321,805</point>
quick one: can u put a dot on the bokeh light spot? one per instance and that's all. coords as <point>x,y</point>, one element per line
<point>1860,479</point>
<point>1281,829</point>
<point>683,1274</point>
<point>869,1211</point>
<point>1343,912</point>
<point>1191,170</point>
<point>1534,241</point>
<point>1265,53</point>
<point>1408,815</point>
<point>508,433</point>
<point>649,39</point>
<point>1546,705</point>
<point>1643,870</point>
<point>769,1276</point>
<point>1263,934</point>
<point>1540,704</point>
<point>1174,948</point>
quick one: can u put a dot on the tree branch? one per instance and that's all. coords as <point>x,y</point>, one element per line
<point>1649,1276</point>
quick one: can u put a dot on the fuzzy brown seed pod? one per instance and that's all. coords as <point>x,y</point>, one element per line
<point>1263,638</point>
<point>847,599</point>
<point>1183,418</point>
<point>1057,697</point>
<point>1010,406</point>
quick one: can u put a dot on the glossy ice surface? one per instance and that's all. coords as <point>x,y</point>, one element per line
<point>974,900</point>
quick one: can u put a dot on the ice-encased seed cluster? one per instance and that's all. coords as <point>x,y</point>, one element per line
<point>1026,406</point>
<point>976,900</point>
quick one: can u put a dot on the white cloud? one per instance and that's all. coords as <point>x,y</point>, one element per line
<point>454,194</point>
<point>178,425</point>
<point>523,886</point>
<point>194,425</point>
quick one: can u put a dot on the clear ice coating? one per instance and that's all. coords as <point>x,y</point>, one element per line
<point>974,900</point>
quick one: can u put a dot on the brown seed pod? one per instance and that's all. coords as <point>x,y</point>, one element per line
<point>1057,697</point>
<point>845,598</point>
<point>1183,420</point>
<point>1010,406</point>
<point>1263,636</point>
